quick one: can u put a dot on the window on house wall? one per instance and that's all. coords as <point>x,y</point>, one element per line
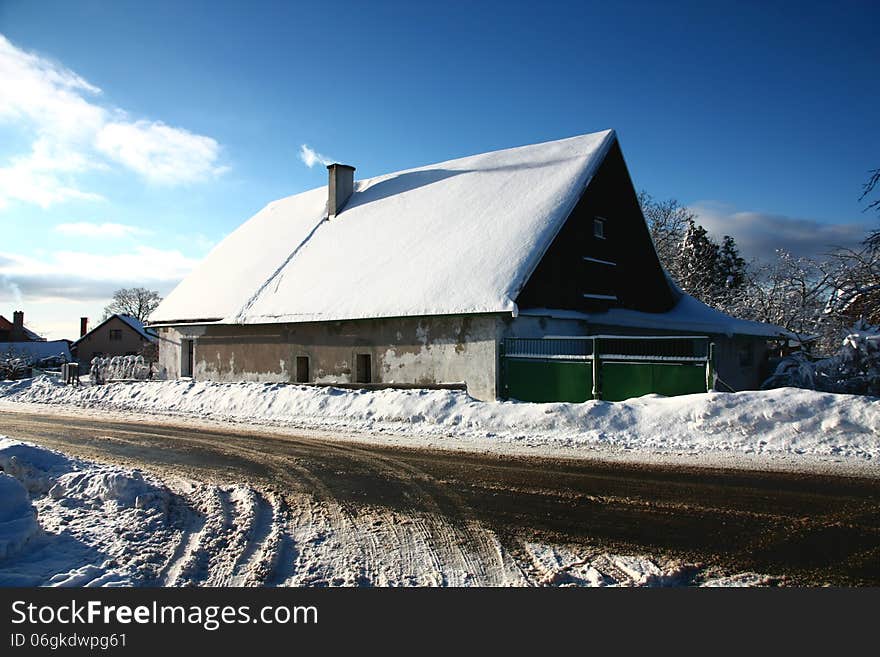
<point>363,373</point>
<point>115,335</point>
<point>302,369</point>
<point>599,227</point>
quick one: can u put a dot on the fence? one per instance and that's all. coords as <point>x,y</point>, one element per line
<point>610,367</point>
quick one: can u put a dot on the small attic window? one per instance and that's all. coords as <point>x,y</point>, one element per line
<point>599,227</point>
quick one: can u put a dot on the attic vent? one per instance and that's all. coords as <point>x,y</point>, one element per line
<point>340,186</point>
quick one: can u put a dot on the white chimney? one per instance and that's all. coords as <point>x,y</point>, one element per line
<point>340,186</point>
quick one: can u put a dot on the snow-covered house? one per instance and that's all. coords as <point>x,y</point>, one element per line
<point>118,335</point>
<point>437,275</point>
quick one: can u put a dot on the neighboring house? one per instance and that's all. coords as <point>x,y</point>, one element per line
<point>16,331</point>
<point>118,335</point>
<point>504,271</point>
<point>19,344</point>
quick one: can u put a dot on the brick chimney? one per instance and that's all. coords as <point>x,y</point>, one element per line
<point>83,326</point>
<point>340,186</point>
<point>17,334</point>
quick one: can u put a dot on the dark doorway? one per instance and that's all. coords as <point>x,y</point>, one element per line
<point>302,369</point>
<point>364,369</point>
<point>187,357</point>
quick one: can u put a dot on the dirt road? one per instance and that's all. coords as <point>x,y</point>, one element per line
<point>473,514</point>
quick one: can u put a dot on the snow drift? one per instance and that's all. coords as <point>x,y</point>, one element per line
<point>69,522</point>
<point>18,520</point>
<point>780,421</point>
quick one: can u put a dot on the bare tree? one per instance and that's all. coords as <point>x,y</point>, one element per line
<point>868,187</point>
<point>873,239</point>
<point>137,302</point>
<point>668,222</point>
<point>857,288</point>
<point>793,293</point>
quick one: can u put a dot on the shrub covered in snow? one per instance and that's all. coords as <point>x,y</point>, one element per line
<point>854,369</point>
<point>17,362</point>
<point>119,367</point>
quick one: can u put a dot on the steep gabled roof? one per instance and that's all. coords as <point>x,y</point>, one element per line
<point>138,326</point>
<point>452,238</point>
<point>129,321</point>
<point>6,325</point>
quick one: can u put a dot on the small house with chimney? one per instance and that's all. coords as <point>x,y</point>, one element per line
<point>16,331</point>
<point>526,273</point>
<point>118,335</point>
<point>27,349</point>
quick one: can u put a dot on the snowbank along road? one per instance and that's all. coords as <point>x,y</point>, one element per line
<point>323,512</point>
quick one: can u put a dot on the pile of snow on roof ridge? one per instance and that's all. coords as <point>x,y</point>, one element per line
<point>781,421</point>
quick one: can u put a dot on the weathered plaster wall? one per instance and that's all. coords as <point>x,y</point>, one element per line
<point>424,350</point>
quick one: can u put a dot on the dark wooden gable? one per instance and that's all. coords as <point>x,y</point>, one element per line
<point>584,272</point>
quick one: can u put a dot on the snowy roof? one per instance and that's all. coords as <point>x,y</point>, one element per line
<point>136,325</point>
<point>688,314</point>
<point>458,237</point>
<point>36,350</point>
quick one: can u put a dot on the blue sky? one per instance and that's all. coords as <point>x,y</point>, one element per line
<point>136,135</point>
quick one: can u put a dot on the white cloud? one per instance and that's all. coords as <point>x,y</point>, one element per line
<point>47,94</point>
<point>759,234</point>
<point>99,231</point>
<point>74,134</point>
<point>311,157</point>
<point>160,153</point>
<point>83,276</point>
<point>43,177</point>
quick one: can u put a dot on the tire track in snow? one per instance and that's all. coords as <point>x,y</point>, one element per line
<point>462,554</point>
<point>193,524</point>
<point>331,542</point>
<point>259,558</point>
<point>190,569</point>
<point>473,552</point>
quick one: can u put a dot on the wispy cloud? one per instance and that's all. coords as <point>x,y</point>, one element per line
<point>73,133</point>
<point>759,234</point>
<point>311,157</point>
<point>95,276</point>
<point>99,231</point>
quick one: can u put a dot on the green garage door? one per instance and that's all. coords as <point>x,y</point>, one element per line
<point>561,369</point>
<point>626,380</point>
<point>548,380</point>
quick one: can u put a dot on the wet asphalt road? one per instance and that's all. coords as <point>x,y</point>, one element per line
<point>809,529</point>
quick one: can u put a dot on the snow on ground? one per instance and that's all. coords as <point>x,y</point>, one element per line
<point>70,522</point>
<point>785,421</point>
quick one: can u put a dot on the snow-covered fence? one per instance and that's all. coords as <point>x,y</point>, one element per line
<point>119,368</point>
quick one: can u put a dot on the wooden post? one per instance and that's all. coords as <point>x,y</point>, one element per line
<point>596,391</point>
